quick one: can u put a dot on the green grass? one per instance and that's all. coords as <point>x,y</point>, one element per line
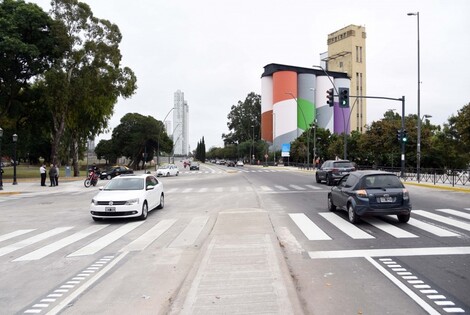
<point>30,171</point>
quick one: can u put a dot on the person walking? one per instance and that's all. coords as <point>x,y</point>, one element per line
<point>42,171</point>
<point>52,175</point>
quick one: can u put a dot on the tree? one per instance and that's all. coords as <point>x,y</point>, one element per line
<point>244,119</point>
<point>137,135</point>
<point>107,150</point>
<point>82,88</point>
<point>201,151</point>
<point>29,44</point>
<point>462,126</point>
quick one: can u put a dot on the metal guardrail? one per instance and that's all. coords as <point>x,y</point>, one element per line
<point>435,176</point>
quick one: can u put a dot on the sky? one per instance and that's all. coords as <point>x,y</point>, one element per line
<point>215,50</point>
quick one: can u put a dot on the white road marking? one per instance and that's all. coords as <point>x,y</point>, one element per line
<point>7,236</point>
<point>281,187</point>
<point>265,188</point>
<point>431,228</point>
<point>310,229</point>
<point>455,213</point>
<point>104,241</point>
<point>32,240</point>
<point>202,190</point>
<point>424,251</point>
<point>190,233</point>
<point>313,187</point>
<point>64,303</point>
<point>296,187</point>
<point>350,229</point>
<point>403,287</point>
<point>443,219</point>
<point>389,228</point>
<point>49,249</point>
<point>148,237</point>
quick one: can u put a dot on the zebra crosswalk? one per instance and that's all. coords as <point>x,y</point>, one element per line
<point>435,224</point>
<point>36,244</point>
<point>232,170</point>
<point>262,188</point>
<point>61,238</point>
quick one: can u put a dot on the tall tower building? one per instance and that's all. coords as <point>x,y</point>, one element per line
<point>347,53</point>
<point>180,124</point>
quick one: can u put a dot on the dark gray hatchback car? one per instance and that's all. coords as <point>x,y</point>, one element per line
<point>331,171</point>
<point>370,193</point>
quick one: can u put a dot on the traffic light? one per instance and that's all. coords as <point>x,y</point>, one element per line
<point>344,97</point>
<point>330,97</point>
<point>405,136</point>
<point>399,135</point>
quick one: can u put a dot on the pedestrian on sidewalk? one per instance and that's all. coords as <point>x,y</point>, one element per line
<point>42,171</point>
<point>57,176</point>
<point>52,175</point>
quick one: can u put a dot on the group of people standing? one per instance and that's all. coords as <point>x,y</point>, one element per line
<point>53,175</point>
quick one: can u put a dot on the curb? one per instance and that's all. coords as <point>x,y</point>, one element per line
<point>461,189</point>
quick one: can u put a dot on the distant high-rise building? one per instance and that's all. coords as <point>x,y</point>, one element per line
<point>168,129</point>
<point>180,124</point>
<point>347,53</point>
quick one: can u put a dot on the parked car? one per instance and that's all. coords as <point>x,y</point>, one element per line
<point>370,193</point>
<point>168,170</point>
<point>115,171</point>
<point>239,163</point>
<point>331,171</point>
<point>230,163</point>
<point>194,166</point>
<point>128,196</point>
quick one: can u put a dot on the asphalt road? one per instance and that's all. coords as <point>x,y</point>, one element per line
<point>50,248</point>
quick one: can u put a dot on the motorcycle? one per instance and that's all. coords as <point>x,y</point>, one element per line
<point>92,178</point>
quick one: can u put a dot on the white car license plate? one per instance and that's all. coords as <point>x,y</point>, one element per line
<point>110,209</point>
<point>386,199</point>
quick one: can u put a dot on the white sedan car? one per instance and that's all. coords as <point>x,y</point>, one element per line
<point>128,196</point>
<point>168,170</point>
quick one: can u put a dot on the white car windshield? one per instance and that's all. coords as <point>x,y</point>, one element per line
<point>125,184</point>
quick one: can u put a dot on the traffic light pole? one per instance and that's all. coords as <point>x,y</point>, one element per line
<point>402,99</point>
<point>402,170</point>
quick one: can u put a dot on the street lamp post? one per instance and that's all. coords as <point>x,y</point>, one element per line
<point>1,170</point>
<point>253,145</point>
<point>418,148</point>
<point>158,143</point>
<point>15,139</point>
<point>308,130</point>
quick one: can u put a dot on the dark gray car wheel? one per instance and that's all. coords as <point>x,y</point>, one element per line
<point>109,177</point>
<point>352,216</point>
<point>317,179</point>
<point>145,211</point>
<point>331,205</point>
<point>329,180</point>
<point>403,218</point>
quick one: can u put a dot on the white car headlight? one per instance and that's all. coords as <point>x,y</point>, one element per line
<point>132,202</point>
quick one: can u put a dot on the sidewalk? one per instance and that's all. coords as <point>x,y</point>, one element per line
<point>29,185</point>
